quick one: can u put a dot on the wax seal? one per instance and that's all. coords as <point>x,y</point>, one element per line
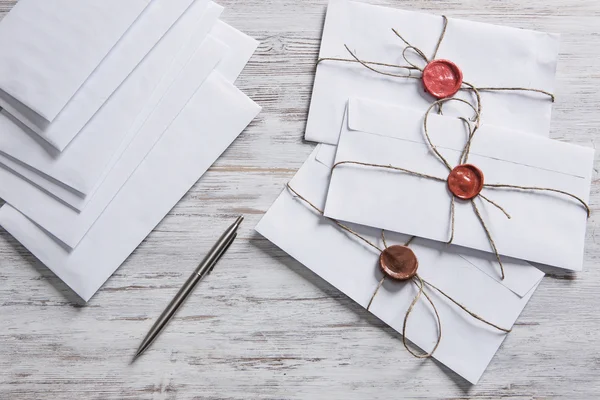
<point>465,181</point>
<point>442,78</point>
<point>398,262</point>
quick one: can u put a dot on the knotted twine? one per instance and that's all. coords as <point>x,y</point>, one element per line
<point>417,280</point>
<point>463,159</point>
<point>371,65</point>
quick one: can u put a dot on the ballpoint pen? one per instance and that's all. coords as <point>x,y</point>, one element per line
<point>205,268</point>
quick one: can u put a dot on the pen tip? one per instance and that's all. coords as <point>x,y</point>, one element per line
<point>140,351</point>
<point>239,220</point>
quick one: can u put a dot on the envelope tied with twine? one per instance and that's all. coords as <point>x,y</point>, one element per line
<point>547,228</point>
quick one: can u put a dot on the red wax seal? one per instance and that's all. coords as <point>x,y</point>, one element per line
<point>442,78</point>
<point>465,181</point>
<point>398,262</point>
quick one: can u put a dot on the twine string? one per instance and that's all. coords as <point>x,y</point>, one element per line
<point>342,226</point>
<point>408,171</point>
<point>498,206</point>
<point>353,60</point>
<point>426,128</point>
<point>417,280</point>
<point>441,38</point>
<point>466,85</point>
<point>464,156</point>
<point>410,62</point>
<point>489,236</point>
<point>375,292</point>
<point>452,219</point>
<point>369,65</point>
<point>474,205</point>
<point>384,241</point>
<point>471,313</point>
<point>467,125</point>
<point>541,189</point>
<point>516,89</point>
<point>366,65</point>
<point>471,130</point>
<point>477,90</point>
<point>472,88</point>
<point>410,46</point>
<point>467,148</point>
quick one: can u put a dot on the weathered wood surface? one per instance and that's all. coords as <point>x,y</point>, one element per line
<point>262,326</point>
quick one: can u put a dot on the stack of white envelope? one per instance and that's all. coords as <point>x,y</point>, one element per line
<point>112,110</point>
<point>365,117</point>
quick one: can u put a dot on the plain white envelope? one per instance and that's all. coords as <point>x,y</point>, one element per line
<point>149,28</point>
<point>81,165</point>
<point>488,55</point>
<point>70,226</point>
<point>50,47</point>
<point>467,345</point>
<point>228,68</point>
<point>210,122</point>
<point>545,227</point>
<point>48,194</point>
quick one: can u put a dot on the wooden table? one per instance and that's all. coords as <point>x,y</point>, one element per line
<point>263,326</point>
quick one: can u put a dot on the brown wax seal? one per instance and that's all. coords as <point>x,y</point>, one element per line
<point>442,78</point>
<point>398,262</point>
<point>465,181</point>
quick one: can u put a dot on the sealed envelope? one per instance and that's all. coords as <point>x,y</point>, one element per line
<point>530,202</point>
<point>487,55</point>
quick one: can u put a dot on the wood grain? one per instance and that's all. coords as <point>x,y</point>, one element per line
<point>262,326</point>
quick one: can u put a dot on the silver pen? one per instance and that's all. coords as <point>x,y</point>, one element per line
<point>205,267</point>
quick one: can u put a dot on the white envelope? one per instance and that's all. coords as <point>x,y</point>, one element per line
<point>80,166</point>
<point>545,227</point>
<point>25,198</point>
<point>177,161</point>
<point>230,66</point>
<point>467,345</point>
<point>70,226</point>
<point>489,56</point>
<point>50,48</point>
<point>149,28</point>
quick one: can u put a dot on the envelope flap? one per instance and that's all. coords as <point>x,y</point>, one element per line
<point>449,134</point>
<point>311,182</point>
<point>520,277</point>
<point>325,154</point>
<point>387,119</point>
